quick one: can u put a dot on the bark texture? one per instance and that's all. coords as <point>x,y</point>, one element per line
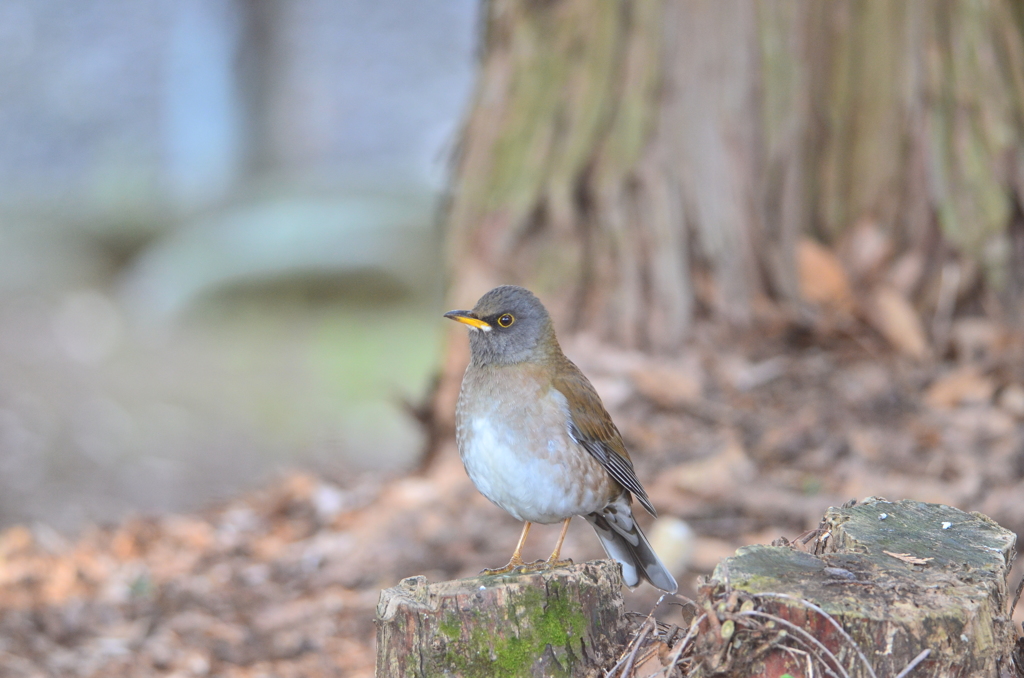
<point>899,578</point>
<point>636,161</point>
<point>562,622</point>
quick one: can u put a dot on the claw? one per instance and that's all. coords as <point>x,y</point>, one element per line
<point>501,570</point>
<point>514,564</point>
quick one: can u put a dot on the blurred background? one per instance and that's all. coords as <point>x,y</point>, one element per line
<point>784,239</point>
<point>218,246</point>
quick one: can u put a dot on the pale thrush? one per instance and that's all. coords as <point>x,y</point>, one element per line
<point>537,441</point>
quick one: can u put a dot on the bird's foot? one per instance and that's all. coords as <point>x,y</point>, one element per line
<point>513,565</point>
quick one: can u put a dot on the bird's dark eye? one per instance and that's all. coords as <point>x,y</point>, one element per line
<point>506,320</point>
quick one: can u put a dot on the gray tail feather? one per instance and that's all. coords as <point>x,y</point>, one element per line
<point>638,559</point>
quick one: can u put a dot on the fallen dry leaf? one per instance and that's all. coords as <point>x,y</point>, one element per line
<point>865,479</point>
<point>718,475</point>
<point>823,280</point>
<point>907,558</point>
<point>964,386</point>
<point>1012,400</point>
<point>906,272</point>
<point>894,317</point>
<point>669,386</point>
<point>744,375</point>
<point>652,662</point>
<point>284,580</point>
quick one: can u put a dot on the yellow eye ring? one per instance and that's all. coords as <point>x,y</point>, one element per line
<point>506,319</point>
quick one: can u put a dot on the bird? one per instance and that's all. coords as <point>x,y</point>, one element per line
<point>536,440</point>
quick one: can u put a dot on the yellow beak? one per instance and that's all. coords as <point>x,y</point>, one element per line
<point>469,318</point>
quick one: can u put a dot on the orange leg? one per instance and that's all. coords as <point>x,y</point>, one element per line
<point>517,557</point>
<point>553,560</point>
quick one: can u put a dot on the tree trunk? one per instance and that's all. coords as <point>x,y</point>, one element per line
<point>563,622</point>
<point>634,162</point>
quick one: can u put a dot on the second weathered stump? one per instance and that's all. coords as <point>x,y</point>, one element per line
<point>567,621</point>
<point>887,583</point>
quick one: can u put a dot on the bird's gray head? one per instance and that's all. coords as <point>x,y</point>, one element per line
<point>509,325</point>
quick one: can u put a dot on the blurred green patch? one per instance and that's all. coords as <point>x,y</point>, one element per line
<point>336,354</point>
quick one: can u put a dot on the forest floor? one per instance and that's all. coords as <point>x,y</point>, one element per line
<point>741,440</point>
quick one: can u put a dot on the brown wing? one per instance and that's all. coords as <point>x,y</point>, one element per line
<point>592,427</point>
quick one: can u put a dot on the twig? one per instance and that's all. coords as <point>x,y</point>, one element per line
<point>913,664</point>
<point>690,635</point>
<point>831,620</point>
<point>681,601</point>
<point>636,648</point>
<point>783,634</point>
<point>801,633</point>
<point>1016,597</point>
<point>807,656</point>
<point>808,535</point>
<point>670,635</point>
<point>637,639</point>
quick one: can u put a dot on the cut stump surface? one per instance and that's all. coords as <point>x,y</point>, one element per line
<point>566,621</point>
<point>898,577</point>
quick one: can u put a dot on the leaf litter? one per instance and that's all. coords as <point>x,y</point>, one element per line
<point>744,437</point>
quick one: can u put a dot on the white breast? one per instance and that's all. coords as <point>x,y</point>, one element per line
<point>534,477</point>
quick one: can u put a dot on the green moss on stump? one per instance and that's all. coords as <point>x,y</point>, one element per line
<point>538,627</point>
<point>565,622</point>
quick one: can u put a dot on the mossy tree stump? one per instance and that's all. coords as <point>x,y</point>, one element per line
<point>562,622</point>
<point>890,581</point>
